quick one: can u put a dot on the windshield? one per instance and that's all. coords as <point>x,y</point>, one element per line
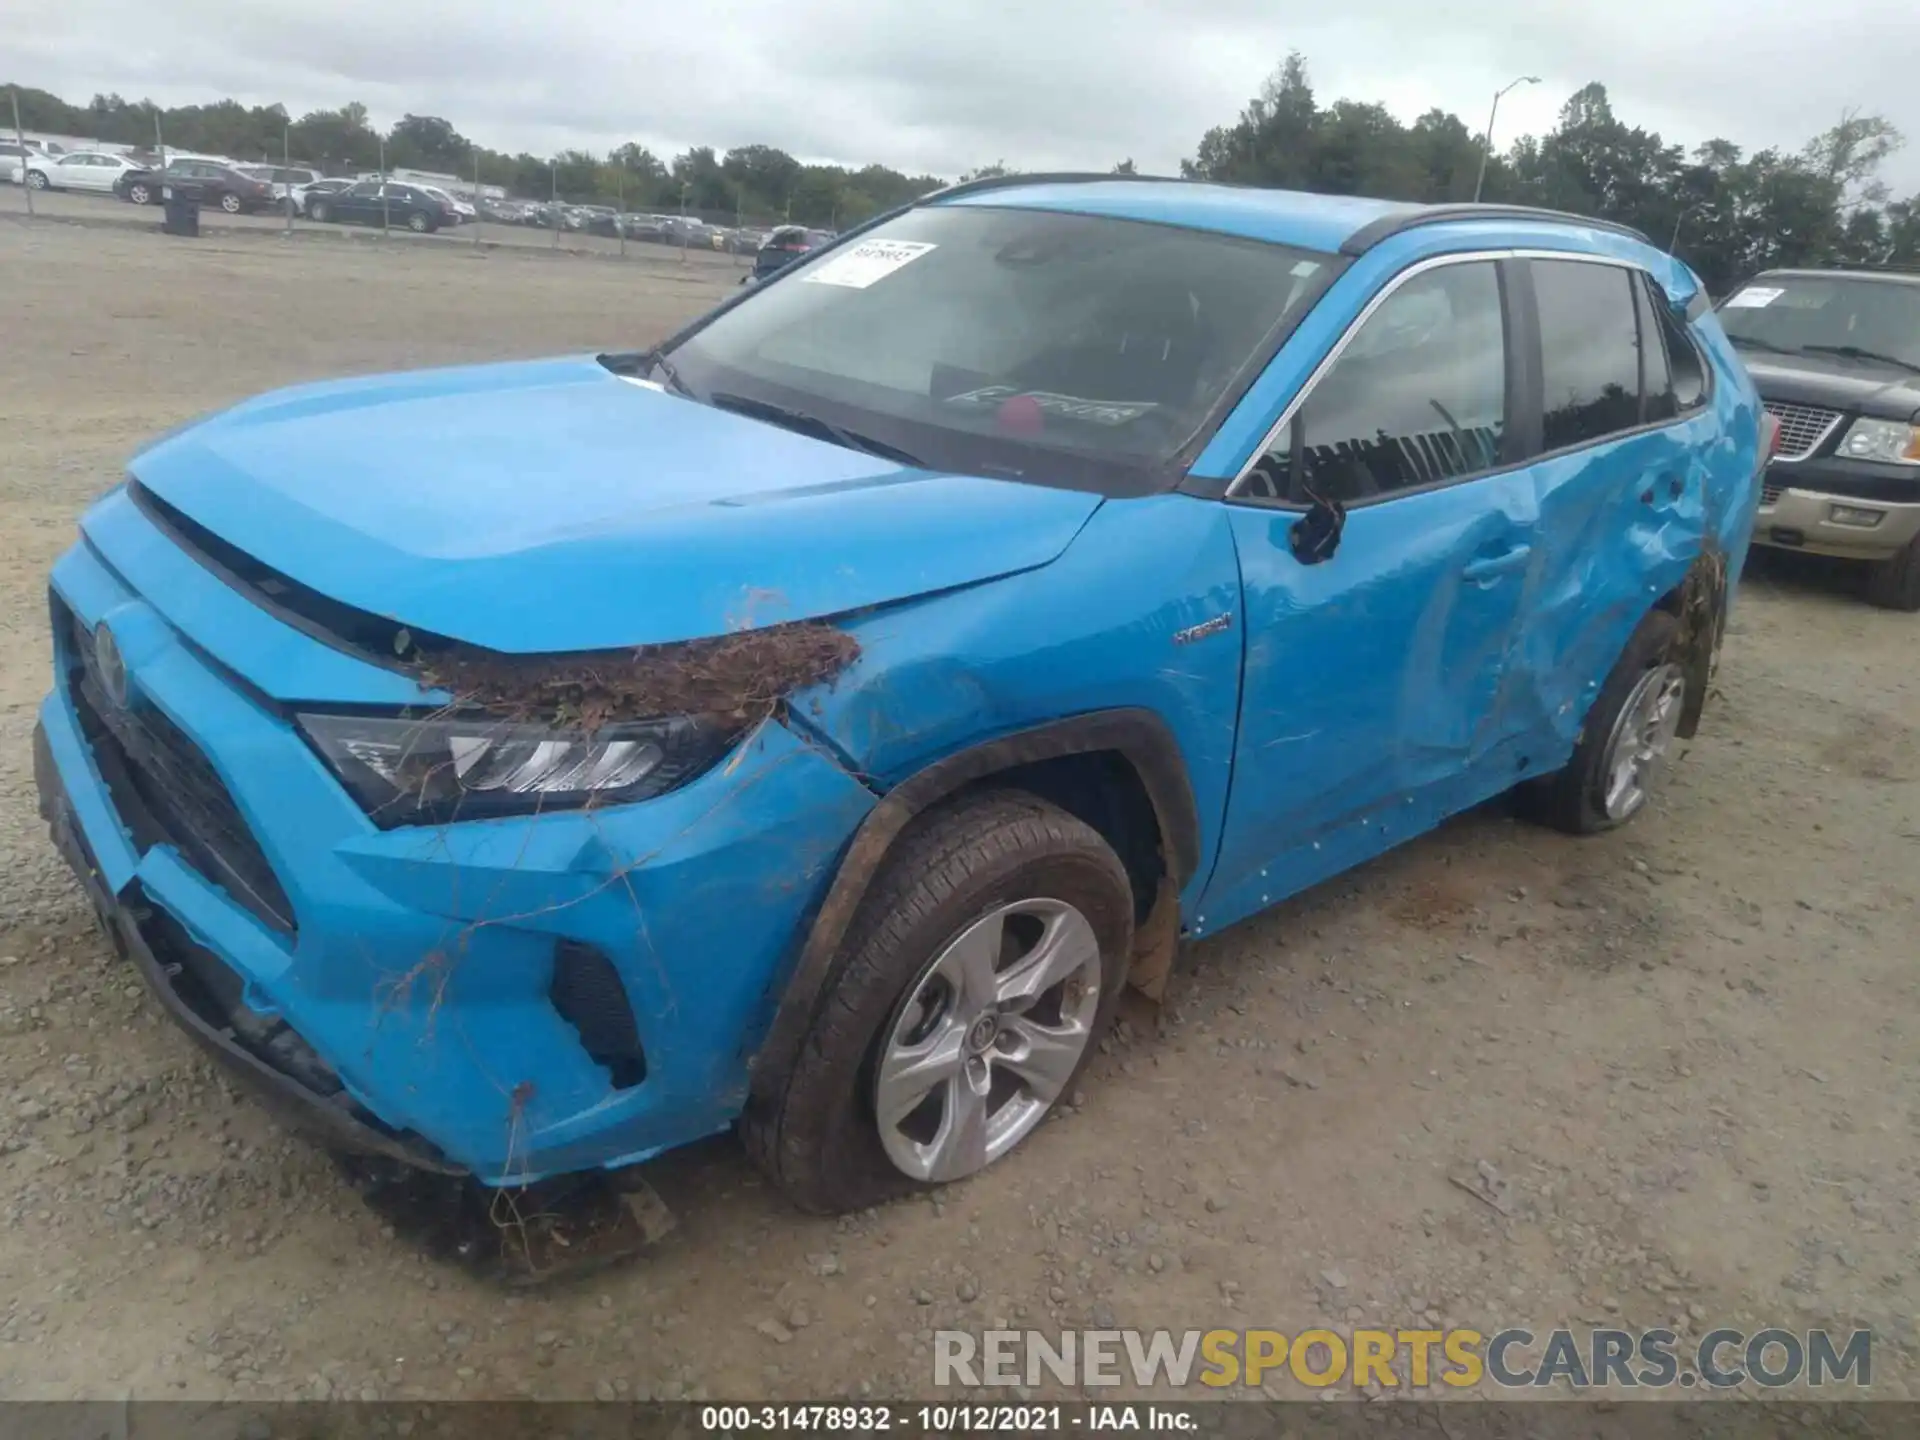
<point>1068,349</point>
<point>1827,314</point>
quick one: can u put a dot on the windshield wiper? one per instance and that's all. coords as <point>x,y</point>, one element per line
<point>1854,352</point>
<point>642,364</point>
<point>804,423</point>
<point>667,371</point>
<point>1759,344</point>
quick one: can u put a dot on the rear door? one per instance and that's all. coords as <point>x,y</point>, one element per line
<point>1619,478</point>
<point>1370,697</point>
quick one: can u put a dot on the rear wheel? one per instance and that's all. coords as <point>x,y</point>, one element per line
<point>418,223</point>
<point>985,962</point>
<point>1623,746</point>
<point>230,203</point>
<point>1894,583</point>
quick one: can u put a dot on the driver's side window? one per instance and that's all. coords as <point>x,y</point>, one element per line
<point>1417,397</point>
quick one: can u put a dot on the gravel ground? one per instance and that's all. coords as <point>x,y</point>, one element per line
<point>1683,1052</point>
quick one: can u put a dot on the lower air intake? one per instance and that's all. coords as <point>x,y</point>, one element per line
<point>588,994</point>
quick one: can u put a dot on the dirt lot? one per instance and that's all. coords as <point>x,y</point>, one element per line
<point>1686,1050</point>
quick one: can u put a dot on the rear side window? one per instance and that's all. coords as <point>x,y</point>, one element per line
<point>1689,371</point>
<point>1656,375</point>
<point>1589,351</point>
<point>1417,397</point>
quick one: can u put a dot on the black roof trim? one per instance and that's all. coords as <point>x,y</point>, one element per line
<point>1387,226</point>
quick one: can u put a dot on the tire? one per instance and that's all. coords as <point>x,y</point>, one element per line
<point>953,869</point>
<point>317,211</point>
<point>230,203</point>
<point>138,194</point>
<point>1894,583</point>
<point>36,180</point>
<point>1574,799</point>
<point>418,223</point>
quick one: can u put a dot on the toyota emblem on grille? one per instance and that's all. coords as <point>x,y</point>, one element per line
<point>111,664</point>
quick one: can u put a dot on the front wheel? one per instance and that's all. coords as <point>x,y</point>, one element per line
<point>230,203</point>
<point>36,181</point>
<point>317,210</point>
<point>1623,745</point>
<point>1894,583</point>
<point>984,964</point>
<point>139,195</point>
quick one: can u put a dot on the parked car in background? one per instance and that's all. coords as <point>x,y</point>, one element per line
<point>213,183</point>
<point>1056,569</point>
<point>93,171</point>
<point>639,227</point>
<point>320,190</point>
<point>15,159</point>
<point>375,202</point>
<point>1836,354</point>
<point>462,210</point>
<point>289,182</point>
<point>783,245</point>
<point>597,219</point>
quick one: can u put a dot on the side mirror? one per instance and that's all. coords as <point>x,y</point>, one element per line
<point>1316,534</point>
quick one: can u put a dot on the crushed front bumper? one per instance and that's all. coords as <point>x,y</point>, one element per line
<point>176,970</point>
<point>400,989</point>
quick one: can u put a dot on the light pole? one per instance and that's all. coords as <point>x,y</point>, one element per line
<point>1486,148</point>
<point>1673,244</point>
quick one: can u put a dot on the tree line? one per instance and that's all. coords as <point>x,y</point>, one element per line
<point>1725,211</point>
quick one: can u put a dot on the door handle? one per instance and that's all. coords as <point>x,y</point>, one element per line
<point>1492,567</point>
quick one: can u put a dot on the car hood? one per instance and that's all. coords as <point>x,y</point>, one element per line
<point>1835,382</point>
<point>554,506</point>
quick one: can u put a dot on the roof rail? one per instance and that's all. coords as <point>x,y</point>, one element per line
<point>1061,177</point>
<point>1387,226</point>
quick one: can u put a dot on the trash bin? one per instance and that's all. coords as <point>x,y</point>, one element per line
<point>183,211</point>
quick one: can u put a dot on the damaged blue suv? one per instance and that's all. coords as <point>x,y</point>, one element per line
<point>811,724</point>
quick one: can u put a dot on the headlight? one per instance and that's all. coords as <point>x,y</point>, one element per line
<point>410,772</point>
<point>1886,440</point>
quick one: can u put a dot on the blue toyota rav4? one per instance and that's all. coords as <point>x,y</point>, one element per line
<point>811,724</point>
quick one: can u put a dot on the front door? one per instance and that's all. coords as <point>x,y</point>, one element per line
<point>1371,698</point>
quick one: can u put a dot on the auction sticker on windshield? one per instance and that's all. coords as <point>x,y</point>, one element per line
<point>867,262</point>
<point>1755,297</point>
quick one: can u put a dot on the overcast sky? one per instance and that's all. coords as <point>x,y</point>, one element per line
<point>949,86</point>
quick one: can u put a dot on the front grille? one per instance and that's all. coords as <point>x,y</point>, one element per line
<point>1770,494</point>
<point>166,790</point>
<point>1802,428</point>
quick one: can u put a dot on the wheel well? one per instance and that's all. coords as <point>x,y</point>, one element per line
<point>1102,789</point>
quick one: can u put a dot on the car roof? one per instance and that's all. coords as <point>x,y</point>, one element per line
<point>1345,224</point>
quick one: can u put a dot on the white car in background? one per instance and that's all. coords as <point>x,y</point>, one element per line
<point>289,182</point>
<point>94,171</point>
<point>15,158</point>
<point>463,209</point>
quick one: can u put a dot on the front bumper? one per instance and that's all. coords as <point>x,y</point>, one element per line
<point>411,990</point>
<point>1793,518</point>
<point>1800,498</point>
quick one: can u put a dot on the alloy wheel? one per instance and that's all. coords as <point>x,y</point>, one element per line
<point>1640,740</point>
<point>988,1036</point>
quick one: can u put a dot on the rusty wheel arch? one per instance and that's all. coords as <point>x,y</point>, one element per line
<point>1138,736</point>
